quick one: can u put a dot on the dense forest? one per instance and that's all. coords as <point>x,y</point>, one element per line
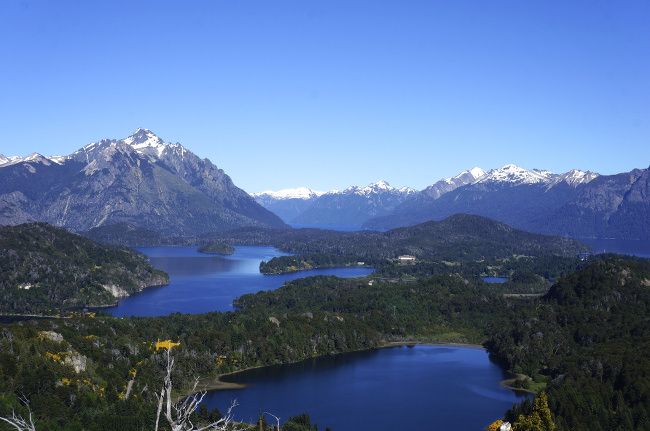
<point>580,343</point>
<point>572,328</point>
<point>458,237</point>
<point>217,248</point>
<point>48,270</point>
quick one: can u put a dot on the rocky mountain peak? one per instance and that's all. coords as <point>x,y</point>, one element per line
<point>516,175</point>
<point>378,187</point>
<point>575,177</point>
<point>144,141</point>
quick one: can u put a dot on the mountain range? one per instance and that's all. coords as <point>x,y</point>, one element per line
<point>345,209</point>
<point>139,179</point>
<point>144,182</point>
<point>576,203</point>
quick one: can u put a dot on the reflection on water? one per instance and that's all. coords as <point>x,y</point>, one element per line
<point>193,266</point>
<point>387,389</point>
<point>200,283</point>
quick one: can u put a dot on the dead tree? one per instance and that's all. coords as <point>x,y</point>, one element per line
<point>178,415</point>
<point>18,422</point>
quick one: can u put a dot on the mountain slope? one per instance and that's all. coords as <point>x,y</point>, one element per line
<point>139,179</point>
<point>351,207</point>
<point>612,206</point>
<point>576,203</point>
<point>449,184</point>
<point>46,269</point>
<point>287,203</point>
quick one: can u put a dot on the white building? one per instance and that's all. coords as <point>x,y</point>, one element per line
<point>406,258</point>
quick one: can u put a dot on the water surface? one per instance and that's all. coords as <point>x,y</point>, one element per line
<point>200,283</point>
<point>401,388</point>
<point>632,247</point>
<point>495,280</point>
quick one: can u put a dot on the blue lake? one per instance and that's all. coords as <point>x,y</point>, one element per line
<point>495,280</point>
<point>632,247</point>
<point>416,388</point>
<point>200,283</point>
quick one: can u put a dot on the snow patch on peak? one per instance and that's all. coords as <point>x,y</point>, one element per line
<point>144,141</point>
<point>37,158</point>
<point>381,185</point>
<point>6,161</point>
<point>377,187</point>
<point>513,174</point>
<point>295,193</point>
<point>476,172</point>
<point>575,177</point>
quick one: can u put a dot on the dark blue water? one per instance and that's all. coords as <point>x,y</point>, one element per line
<point>200,283</point>
<point>632,247</point>
<point>401,388</point>
<point>495,280</point>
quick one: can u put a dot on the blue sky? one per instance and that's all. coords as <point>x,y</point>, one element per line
<point>332,93</point>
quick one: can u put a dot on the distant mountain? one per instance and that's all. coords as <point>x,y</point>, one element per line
<point>346,209</point>
<point>140,180</point>
<point>351,208</point>
<point>576,203</point>
<point>287,203</point>
<point>449,184</point>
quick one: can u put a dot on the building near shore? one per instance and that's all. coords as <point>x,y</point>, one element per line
<point>406,258</point>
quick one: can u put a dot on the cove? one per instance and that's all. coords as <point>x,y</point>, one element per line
<point>423,387</point>
<point>201,283</point>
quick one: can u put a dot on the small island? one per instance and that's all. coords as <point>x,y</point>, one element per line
<point>220,248</point>
<point>289,264</point>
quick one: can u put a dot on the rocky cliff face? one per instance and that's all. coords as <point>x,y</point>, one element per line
<point>140,179</point>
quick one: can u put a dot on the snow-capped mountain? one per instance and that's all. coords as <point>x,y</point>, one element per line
<point>351,207</point>
<point>32,158</point>
<point>376,188</point>
<point>515,175</point>
<point>575,177</point>
<point>574,203</point>
<point>297,193</point>
<point>452,183</point>
<point>139,179</point>
<point>287,203</point>
<point>341,209</point>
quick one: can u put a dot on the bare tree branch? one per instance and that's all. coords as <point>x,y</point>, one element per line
<point>179,415</point>
<point>18,422</point>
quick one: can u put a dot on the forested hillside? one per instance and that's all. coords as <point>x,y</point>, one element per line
<point>589,337</point>
<point>47,270</point>
<point>459,237</point>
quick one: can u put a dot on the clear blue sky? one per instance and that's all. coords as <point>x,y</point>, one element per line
<point>328,93</point>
